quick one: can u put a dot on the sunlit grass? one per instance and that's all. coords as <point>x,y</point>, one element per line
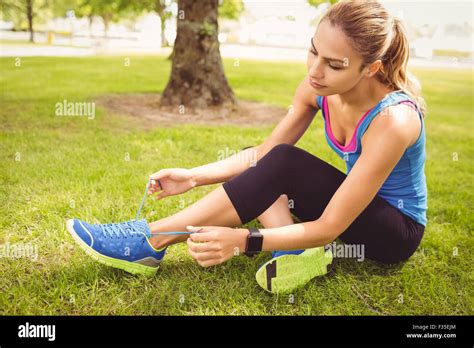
<point>54,168</point>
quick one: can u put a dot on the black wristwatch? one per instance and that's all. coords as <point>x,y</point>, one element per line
<point>254,242</point>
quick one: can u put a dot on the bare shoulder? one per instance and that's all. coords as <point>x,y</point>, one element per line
<point>399,120</point>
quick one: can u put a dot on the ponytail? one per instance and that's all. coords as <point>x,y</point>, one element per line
<point>375,34</point>
<point>393,71</point>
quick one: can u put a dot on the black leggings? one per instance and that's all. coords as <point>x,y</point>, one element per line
<point>388,235</point>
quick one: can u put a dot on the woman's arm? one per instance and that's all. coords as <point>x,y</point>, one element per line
<point>288,131</point>
<point>382,147</point>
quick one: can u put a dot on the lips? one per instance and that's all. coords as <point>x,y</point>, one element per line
<point>315,84</point>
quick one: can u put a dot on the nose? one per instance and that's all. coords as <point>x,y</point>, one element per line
<point>316,70</point>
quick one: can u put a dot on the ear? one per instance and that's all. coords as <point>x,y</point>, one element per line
<point>372,69</point>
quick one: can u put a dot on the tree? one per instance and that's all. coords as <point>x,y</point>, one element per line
<point>197,76</point>
<point>109,10</point>
<point>161,9</point>
<point>230,9</point>
<point>25,11</point>
<point>29,15</point>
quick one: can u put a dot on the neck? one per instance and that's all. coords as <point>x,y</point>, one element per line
<point>363,95</point>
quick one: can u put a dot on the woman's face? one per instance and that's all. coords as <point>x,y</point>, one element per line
<point>332,62</point>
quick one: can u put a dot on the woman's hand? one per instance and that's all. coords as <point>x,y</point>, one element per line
<point>170,182</point>
<point>213,245</point>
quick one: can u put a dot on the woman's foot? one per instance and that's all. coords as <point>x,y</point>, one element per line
<point>285,273</point>
<point>123,245</point>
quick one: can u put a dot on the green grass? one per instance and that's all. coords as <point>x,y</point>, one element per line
<point>54,168</point>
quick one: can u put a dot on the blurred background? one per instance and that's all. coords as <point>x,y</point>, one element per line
<point>440,32</point>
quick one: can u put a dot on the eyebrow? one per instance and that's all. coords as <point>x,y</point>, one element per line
<point>332,59</point>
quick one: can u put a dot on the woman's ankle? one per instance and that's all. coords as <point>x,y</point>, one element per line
<point>158,242</point>
<point>161,241</point>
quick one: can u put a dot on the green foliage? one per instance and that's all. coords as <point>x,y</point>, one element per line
<point>316,3</point>
<point>207,29</point>
<point>231,9</point>
<point>16,12</point>
<point>109,10</point>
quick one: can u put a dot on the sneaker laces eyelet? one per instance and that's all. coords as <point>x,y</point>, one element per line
<point>126,229</point>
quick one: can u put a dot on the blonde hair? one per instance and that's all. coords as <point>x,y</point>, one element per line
<point>375,34</point>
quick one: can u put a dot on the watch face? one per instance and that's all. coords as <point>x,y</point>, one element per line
<point>255,243</point>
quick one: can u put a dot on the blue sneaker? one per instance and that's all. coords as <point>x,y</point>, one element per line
<point>277,253</point>
<point>122,245</point>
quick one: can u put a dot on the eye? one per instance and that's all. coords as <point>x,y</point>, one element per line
<point>314,53</point>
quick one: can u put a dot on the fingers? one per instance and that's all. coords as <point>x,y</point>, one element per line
<point>206,258</point>
<point>202,247</point>
<point>153,189</point>
<point>202,256</point>
<point>204,233</point>
<point>155,182</point>
<point>161,195</point>
<point>155,185</point>
<point>160,174</point>
<point>198,228</point>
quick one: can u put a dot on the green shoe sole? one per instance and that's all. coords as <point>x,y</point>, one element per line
<point>285,273</point>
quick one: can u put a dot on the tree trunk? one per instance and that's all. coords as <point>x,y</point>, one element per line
<point>197,76</point>
<point>29,15</point>
<point>91,18</point>
<point>160,9</point>
<point>106,18</point>
<point>164,42</point>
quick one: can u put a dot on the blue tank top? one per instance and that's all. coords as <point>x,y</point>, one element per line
<point>405,187</point>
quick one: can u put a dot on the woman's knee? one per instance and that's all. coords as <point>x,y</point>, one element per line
<point>275,161</point>
<point>290,154</point>
<point>282,150</point>
<point>279,157</point>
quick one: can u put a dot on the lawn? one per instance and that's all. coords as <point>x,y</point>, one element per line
<point>54,168</point>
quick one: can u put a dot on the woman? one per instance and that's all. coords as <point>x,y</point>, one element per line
<point>373,116</point>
